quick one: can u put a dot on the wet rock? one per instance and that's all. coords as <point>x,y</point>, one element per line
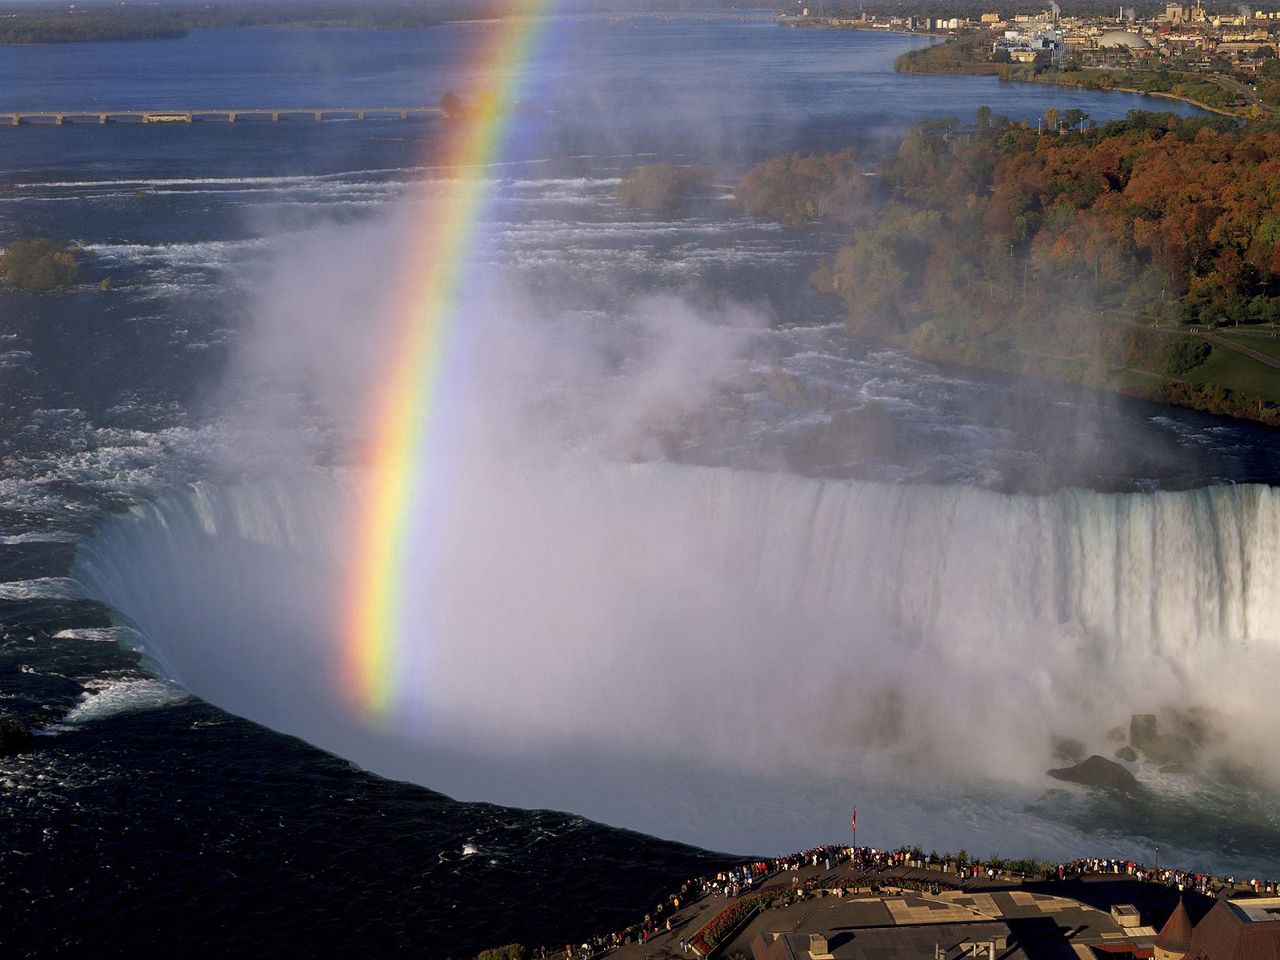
<point>1173,768</point>
<point>1142,730</point>
<point>1067,748</point>
<point>1127,753</point>
<point>1145,736</point>
<point>1099,772</point>
<point>14,738</point>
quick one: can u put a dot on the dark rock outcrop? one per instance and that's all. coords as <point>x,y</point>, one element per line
<point>1099,772</point>
<point>1142,730</point>
<point>14,738</point>
<point>1145,735</point>
<point>1068,749</point>
<point>1127,753</point>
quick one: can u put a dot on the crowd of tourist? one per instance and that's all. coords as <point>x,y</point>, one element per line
<point>872,867</point>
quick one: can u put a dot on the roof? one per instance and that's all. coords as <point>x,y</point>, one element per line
<point>1239,930</point>
<point>1123,38</point>
<point>1175,935</point>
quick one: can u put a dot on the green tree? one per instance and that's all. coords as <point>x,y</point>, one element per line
<point>662,187</point>
<point>39,265</point>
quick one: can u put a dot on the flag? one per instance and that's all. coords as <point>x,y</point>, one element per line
<point>853,821</point>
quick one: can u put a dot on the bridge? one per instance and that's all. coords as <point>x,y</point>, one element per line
<point>14,118</point>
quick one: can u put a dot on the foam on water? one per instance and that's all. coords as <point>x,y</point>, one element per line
<point>109,699</point>
<point>40,588</point>
<point>122,634</point>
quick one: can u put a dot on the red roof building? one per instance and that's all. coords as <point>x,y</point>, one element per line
<point>1174,941</point>
<point>1237,930</point>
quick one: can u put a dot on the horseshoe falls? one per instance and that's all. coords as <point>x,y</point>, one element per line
<point>741,627</point>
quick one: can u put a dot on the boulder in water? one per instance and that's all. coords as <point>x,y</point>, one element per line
<point>14,738</point>
<point>1098,772</point>
<point>1068,749</point>
<point>1142,730</point>
<point>1127,753</point>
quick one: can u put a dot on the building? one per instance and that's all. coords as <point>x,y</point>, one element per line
<point>1174,940</point>
<point>1236,930</point>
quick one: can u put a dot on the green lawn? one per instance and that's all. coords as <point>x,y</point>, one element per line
<point>1237,372</point>
<point>1260,341</point>
<point>1130,379</point>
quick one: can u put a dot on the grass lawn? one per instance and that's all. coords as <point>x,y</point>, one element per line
<point>1130,379</point>
<point>1255,341</point>
<point>1237,372</point>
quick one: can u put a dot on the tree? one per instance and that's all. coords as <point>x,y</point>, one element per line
<point>451,104</point>
<point>1185,355</point>
<point>39,265</point>
<point>661,187</point>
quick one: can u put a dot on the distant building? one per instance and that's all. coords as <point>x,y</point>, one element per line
<point>1118,39</point>
<point>1042,45</point>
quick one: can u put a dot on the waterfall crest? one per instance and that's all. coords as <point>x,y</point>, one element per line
<point>751,620</point>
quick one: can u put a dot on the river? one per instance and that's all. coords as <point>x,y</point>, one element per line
<point>715,570</point>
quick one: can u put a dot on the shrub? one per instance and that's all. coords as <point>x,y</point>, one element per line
<point>1185,355</point>
<point>661,187</point>
<point>39,265</point>
<point>510,951</point>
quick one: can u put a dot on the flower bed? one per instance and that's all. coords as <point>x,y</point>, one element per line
<point>727,922</point>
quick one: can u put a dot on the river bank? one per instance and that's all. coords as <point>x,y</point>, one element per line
<point>967,56</point>
<point>992,245</point>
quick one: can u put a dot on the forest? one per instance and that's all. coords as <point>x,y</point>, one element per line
<point>40,23</point>
<point>1130,256</point>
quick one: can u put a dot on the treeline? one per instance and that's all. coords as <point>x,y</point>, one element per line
<point>73,28</point>
<point>973,9</point>
<point>971,54</point>
<point>1080,256</point>
<point>28,24</point>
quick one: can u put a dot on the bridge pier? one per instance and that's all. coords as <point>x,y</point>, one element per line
<point>59,119</point>
<point>404,114</point>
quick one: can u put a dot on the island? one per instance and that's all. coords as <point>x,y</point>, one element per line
<point>1140,256</point>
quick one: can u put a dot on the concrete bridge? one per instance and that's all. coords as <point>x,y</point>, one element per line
<point>241,115</point>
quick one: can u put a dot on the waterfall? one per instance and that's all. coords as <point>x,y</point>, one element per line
<point>748,620</point>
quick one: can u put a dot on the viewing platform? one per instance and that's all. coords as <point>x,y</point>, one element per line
<point>224,115</point>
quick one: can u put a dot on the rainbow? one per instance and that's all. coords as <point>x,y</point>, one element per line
<point>404,409</point>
